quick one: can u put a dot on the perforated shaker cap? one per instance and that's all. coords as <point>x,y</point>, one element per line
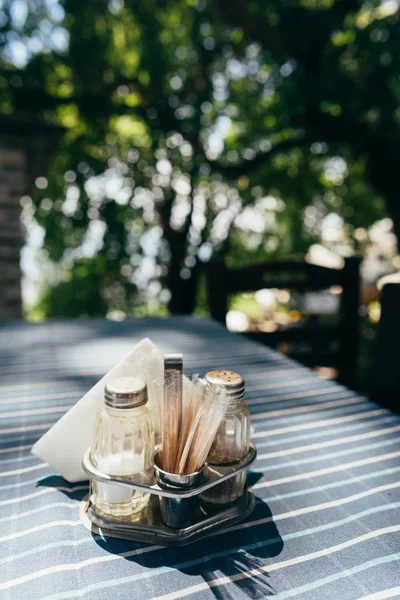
<point>231,381</point>
<point>125,392</point>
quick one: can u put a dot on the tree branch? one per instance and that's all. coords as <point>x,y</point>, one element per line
<point>299,30</point>
<point>245,168</point>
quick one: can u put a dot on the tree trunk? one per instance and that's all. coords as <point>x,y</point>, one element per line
<point>183,291</point>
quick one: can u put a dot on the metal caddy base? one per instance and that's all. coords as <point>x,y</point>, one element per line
<point>148,527</point>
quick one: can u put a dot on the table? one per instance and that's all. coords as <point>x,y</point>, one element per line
<point>326,523</point>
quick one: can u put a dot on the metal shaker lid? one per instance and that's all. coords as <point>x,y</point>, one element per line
<point>232,382</point>
<point>125,392</point>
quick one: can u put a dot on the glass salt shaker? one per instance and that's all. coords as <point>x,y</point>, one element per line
<point>123,444</point>
<point>232,441</point>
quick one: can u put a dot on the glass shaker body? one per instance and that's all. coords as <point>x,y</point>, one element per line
<point>232,441</point>
<point>123,444</point>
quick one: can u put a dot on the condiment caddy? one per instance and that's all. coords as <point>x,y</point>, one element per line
<point>149,527</point>
<point>189,486</point>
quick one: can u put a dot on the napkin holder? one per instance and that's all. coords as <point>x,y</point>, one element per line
<point>148,527</point>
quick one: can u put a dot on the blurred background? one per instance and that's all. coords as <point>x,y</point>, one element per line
<point>142,141</point>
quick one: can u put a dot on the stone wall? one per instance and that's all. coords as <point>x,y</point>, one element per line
<point>25,147</point>
<point>13,185</point>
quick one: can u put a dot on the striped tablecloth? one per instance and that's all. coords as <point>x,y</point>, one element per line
<point>326,523</point>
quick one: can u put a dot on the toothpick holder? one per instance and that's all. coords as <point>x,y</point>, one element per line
<point>177,513</point>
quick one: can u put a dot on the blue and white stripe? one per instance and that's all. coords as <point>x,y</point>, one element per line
<point>327,478</point>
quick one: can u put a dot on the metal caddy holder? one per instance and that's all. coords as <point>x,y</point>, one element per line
<point>148,526</point>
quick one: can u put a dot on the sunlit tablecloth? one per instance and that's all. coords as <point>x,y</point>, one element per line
<point>326,523</point>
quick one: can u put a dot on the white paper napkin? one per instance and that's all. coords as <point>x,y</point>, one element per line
<point>65,443</point>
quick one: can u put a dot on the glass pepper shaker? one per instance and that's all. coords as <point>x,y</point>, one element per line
<point>232,441</point>
<point>123,444</point>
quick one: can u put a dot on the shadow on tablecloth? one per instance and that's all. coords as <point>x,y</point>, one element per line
<point>228,554</point>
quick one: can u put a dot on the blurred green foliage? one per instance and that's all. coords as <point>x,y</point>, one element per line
<point>197,128</point>
<point>78,294</point>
